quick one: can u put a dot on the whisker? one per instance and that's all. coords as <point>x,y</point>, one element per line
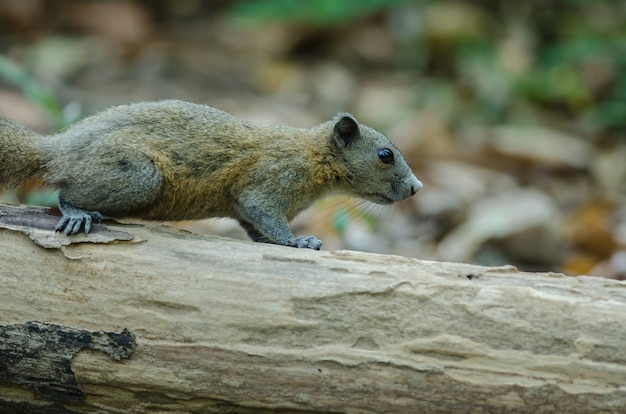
<point>331,210</point>
<point>343,212</point>
<point>337,214</point>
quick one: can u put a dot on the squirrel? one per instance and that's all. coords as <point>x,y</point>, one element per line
<point>174,160</point>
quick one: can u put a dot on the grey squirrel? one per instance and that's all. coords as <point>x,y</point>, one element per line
<point>175,160</point>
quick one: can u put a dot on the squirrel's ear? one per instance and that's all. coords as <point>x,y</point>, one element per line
<point>346,130</point>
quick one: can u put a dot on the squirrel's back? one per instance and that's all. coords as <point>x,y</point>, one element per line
<point>204,159</point>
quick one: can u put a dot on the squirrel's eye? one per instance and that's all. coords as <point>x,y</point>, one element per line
<point>385,155</point>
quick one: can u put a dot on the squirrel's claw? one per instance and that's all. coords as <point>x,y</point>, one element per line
<point>310,242</point>
<point>73,222</point>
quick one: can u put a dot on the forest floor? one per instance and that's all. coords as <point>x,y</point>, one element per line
<point>543,190</point>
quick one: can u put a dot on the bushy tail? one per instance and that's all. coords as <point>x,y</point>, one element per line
<point>23,156</point>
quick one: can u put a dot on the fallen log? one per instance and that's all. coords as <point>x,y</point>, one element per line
<point>152,319</point>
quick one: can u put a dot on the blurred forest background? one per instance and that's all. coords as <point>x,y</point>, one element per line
<point>513,114</point>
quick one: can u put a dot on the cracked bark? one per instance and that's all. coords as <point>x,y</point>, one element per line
<point>227,326</point>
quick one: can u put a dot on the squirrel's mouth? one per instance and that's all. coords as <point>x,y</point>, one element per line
<point>380,199</point>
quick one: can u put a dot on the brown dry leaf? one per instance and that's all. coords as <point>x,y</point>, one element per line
<point>122,22</point>
<point>22,14</point>
<point>609,171</point>
<point>581,263</point>
<point>539,145</point>
<point>590,229</point>
<point>526,222</point>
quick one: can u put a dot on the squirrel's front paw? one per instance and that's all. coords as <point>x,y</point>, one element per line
<point>310,242</point>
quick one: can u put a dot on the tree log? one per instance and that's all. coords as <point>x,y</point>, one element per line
<point>136,319</point>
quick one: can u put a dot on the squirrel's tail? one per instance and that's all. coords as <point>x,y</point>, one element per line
<point>23,155</point>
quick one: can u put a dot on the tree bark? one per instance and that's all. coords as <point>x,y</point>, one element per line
<point>136,319</point>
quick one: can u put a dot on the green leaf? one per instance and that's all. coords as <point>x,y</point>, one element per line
<point>319,12</point>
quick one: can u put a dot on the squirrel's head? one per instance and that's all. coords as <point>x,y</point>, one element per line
<point>377,169</point>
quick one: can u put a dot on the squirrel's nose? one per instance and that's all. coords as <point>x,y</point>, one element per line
<point>415,184</point>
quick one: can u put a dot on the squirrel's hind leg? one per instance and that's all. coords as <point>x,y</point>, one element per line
<point>75,218</point>
<point>116,187</point>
